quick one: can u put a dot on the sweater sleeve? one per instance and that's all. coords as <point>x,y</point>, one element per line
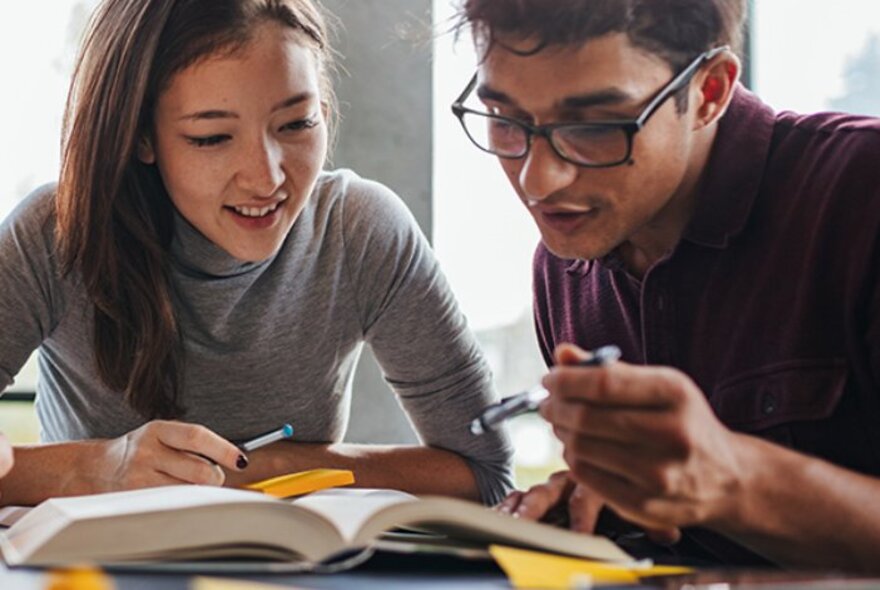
<point>419,335</point>
<point>29,293</point>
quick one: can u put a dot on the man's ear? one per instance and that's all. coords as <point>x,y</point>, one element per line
<point>715,87</point>
<point>145,152</point>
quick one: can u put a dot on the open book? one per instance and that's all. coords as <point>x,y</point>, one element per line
<point>199,522</point>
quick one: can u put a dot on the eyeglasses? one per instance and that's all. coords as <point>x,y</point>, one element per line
<point>598,144</point>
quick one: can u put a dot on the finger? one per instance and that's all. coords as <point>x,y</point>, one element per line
<point>199,440</point>
<point>537,502</point>
<point>620,384</point>
<point>621,424</point>
<point>646,467</point>
<point>583,509</point>
<point>509,504</point>
<point>569,354</point>
<point>541,499</point>
<point>153,480</point>
<point>188,468</point>
<point>623,460</point>
<point>622,497</point>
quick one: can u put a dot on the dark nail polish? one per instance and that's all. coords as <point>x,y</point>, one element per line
<point>242,462</point>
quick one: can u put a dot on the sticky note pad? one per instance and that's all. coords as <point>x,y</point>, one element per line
<point>302,482</point>
<point>203,583</point>
<point>533,569</point>
<point>79,578</point>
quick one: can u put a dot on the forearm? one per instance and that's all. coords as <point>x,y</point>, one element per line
<point>45,471</point>
<point>414,469</point>
<point>801,511</point>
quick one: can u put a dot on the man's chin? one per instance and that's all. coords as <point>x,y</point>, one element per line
<point>576,251</point>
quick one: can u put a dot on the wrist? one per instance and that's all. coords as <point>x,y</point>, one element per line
<point>88,465</point>
<point>754,506</point>
<point>741,487</point>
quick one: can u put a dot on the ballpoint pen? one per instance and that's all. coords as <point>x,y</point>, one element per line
<point>286,431</point>
<point>529,400</point>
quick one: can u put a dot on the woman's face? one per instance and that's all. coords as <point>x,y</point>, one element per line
<point>240,140</point>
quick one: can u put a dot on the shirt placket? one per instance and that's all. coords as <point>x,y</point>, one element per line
<point>658,318</point>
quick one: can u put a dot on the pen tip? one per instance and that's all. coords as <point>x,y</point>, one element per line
<point>288,430</point>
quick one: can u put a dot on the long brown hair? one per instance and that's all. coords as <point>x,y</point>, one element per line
<point>115,219</point>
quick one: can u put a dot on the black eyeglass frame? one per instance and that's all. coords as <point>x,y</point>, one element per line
<point>629,127</point>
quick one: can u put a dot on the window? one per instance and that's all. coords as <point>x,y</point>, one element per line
<point>809,55</point>
<point>32,105</point>
<point>484,238</point>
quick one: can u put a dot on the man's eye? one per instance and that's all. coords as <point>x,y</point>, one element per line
<point>299,125</point>
<point>208,141</point>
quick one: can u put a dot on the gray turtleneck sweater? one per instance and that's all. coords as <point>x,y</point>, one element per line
<point>269,342</point>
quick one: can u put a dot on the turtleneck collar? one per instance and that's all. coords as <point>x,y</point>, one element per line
<point>195,255</point>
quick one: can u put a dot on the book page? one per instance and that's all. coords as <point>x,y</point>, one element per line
<point>348,509</point>
<point>9,515</point>
<point>152,499</point>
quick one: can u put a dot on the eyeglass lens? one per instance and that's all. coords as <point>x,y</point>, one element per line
<point>580,143</point>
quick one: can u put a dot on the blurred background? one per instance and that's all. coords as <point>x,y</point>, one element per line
<point>397,83</point>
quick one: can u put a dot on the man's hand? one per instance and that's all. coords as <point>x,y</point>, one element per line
<point>645,440</point>
<point>558,500</point>
<point>164,453</point>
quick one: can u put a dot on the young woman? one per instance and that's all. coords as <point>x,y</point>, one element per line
<point>195,278</point>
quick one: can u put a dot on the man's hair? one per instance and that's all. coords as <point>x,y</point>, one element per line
<point>674,30</point>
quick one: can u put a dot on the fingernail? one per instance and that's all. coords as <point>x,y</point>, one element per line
<point>504,509</point>
<point>242,462</point>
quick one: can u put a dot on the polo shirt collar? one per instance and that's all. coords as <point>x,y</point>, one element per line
<point>732,178</point>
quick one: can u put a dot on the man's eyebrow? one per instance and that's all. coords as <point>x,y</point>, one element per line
<point>611,96</point>
<point>221,114</point>
<point>486,92</point>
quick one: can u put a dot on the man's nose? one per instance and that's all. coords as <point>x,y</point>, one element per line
<point>544,172</point>
<point>261,172</point>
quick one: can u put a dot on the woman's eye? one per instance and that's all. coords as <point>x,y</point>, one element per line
<point>299,125</point>
<point>208,141</point>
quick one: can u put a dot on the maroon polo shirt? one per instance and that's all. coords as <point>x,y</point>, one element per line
<point>770,301</point>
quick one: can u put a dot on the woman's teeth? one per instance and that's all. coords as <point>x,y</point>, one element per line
<point>256,211</point>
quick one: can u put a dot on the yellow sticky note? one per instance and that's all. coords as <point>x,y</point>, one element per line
<point>202,583</point>
<point>79,578</point>
<point>533,569</point>
<point>302,482</point>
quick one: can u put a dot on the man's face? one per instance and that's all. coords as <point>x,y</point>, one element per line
<point>588,212</point>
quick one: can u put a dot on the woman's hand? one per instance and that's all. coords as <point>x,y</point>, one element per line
<point>164,453</point>
<point>557,501</point>
<point>5,455</point>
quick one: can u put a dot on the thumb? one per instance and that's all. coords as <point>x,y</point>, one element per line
<point>570,354</point>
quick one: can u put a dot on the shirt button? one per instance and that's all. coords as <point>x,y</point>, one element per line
<point>768,403</point>
<point>660,304</point>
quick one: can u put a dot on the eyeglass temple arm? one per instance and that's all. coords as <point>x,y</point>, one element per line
<point>680,81</point>
<point>468,89</point>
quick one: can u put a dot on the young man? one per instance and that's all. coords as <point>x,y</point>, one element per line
<point>733,254</point>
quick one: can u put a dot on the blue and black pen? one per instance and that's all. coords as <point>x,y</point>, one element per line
<point>529,400</point>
